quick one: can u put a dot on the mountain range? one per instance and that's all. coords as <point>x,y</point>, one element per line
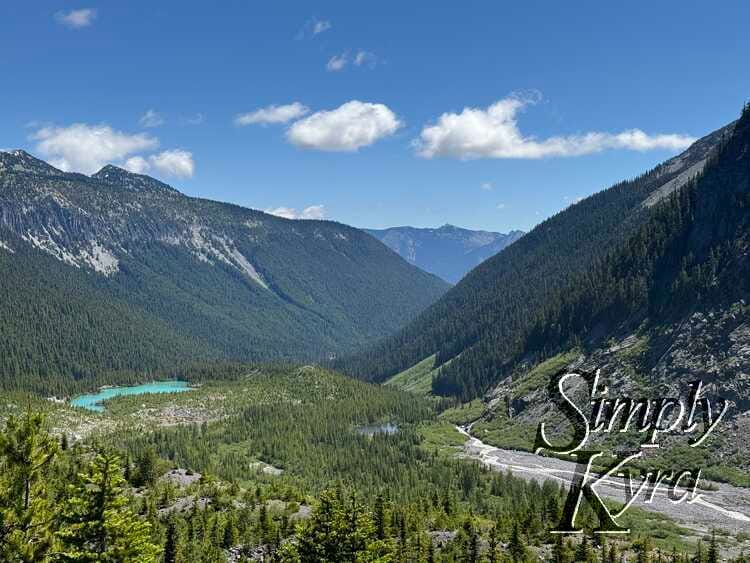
<point>638,260</point>
<point>448,251</point>
<point>119,271</point>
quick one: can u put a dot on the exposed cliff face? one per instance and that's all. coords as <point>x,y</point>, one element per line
<point>217,279</point>
<point>711,346</point>
<point>95,221</point>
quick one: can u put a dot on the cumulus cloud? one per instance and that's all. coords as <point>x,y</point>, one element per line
<point>137,165</point>
<point>272,114</point>
<point>151,118</point>
<point>175,162</point>
<point>87,148</point>
<point>493,133</point>
<point>311,212</point>
<point>352,125</point>
<point>487,186</point>
<point>337,62</point>
<point>76,19</point>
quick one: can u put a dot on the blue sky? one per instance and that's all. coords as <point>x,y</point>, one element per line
<point>370,126</point>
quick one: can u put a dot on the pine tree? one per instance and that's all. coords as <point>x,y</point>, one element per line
<point>170,545</point>
<point>338,530</point>
<point>613,554</point>
<point>492,542</point>
<point>642,549</point>
<point>430,552</point>
<point>229,537</point>
<point>264,524</point>
<point>26,454</point>
<point>516,546</point>
<point>713,550</point>
<point>584,553</point>
<point>146,467</point>
<point>472,543</point>
<point>379,517</point>
<point>97,524</point>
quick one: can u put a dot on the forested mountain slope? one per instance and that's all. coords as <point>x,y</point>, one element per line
<point>667,307</point>
<point>519,304</point>
<point>448,251</point>
<point>119,271</point>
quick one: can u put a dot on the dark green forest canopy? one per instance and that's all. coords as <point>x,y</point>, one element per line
<point>343,495</point>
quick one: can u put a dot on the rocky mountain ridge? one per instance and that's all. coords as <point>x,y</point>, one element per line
<point>214,280</point>
<point>448,251</point>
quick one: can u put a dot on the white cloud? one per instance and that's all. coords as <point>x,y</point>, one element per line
<point>76,19</point>
<point>361,58</point>
<point>195,119</point>
<point>272,114</point>
<point>487,186</point>
<point>493,133</point>
<point>365,58</point>
<point>501,206</point>
<point>320,26</point>
<point>311,212</point>
<point>137,165</point>
<point>174,162</point>
<point>285,212</point>
<point>87,148</point>
<point>313,27</point>
<point>337,62</point>
<point>151,118</point>
<point>353,125</point>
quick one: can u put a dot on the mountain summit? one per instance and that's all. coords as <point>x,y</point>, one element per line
<point>116,176</point>
<point>447,251</point>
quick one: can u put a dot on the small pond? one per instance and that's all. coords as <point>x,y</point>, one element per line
<point>372,429</point>
<point>93,402</point>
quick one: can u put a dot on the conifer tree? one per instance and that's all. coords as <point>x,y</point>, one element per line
<point>26,454</point>
<point>713,550</point>
<point>584,552</point>
<point>516,546</point>
<point>170,545</point>
<point>492,543</point>
<point>97,524</point>
<point>229,537</point>
<point>379,517</point>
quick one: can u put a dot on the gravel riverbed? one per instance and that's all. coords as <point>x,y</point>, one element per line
<point>726,508</point>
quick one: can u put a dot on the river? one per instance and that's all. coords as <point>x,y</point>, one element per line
<point>726,508</point>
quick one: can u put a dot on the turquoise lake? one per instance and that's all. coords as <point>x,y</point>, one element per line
<point>93,402</point>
